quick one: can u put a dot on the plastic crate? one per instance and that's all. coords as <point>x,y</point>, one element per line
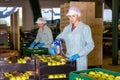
<point>76,74</point>
<point>39,51</point>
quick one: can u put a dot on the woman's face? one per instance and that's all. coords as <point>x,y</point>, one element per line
<point>41,25</point>
<point>73,18</point>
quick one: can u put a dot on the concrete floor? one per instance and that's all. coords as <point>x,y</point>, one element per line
<point>107,63</point>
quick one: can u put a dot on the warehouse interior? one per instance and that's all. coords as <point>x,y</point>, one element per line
<point>18,29</point>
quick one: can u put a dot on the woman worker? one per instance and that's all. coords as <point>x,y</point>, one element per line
<point>78,39</point>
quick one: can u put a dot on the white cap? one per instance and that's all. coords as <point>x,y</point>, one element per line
<point>73,11</point>
<point>40,20</point>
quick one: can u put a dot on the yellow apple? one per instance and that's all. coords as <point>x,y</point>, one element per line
<point>91,74</point>
<point>64,75</point>
<point>61,76</point>
<point>117,78</point>
<point>12,78</point>
<point>49,63</point>
<point>9,62</point>
<point>110,78</point>
<point>58,63</point>
<point>100,72</point>
<point>78,79</point>
<point>56,75</point>
<point>53,64</point>
<point>18,78</point>
<point>24,77</point>
<point>50,76</point>
<point>23,61</point>
<point>19,61</point>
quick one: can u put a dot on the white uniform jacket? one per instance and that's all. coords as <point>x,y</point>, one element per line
<point>79,41</point>
<point>44,36</point>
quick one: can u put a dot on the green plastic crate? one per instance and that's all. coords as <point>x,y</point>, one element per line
<point>6,43</point>
<point>76,75</point>
<point>39,51</point>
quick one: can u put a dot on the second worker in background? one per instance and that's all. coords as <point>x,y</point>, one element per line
<point>44,36</point>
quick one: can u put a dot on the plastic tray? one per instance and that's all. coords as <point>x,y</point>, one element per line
<point>76,74</point>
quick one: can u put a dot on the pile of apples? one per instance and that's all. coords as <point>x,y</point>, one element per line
<point>79,79</point>
<point>53,60</point>
<point>20,60</point>
<point>99,75</point>
<point>18,76</point>
<point>56,76</point>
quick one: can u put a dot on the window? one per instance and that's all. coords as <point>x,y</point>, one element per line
<point>51,15</point>
<point>5,13</point>
<point>107,15</point>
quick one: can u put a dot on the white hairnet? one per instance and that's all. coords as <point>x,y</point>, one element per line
<point>73,11</point>
<point>40,20</point>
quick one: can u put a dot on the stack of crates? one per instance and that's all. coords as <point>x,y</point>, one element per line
<point>54,71</point>
<point>4,35</point>
<point>14,69</point>
<point>94,74</point>
<point>4,38</point>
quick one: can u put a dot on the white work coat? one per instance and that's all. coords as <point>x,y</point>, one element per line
<point>79,41</point>
<point>44,36</point>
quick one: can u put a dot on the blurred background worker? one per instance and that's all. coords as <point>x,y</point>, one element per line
<point>78,39</point>
<point>44,36</point>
